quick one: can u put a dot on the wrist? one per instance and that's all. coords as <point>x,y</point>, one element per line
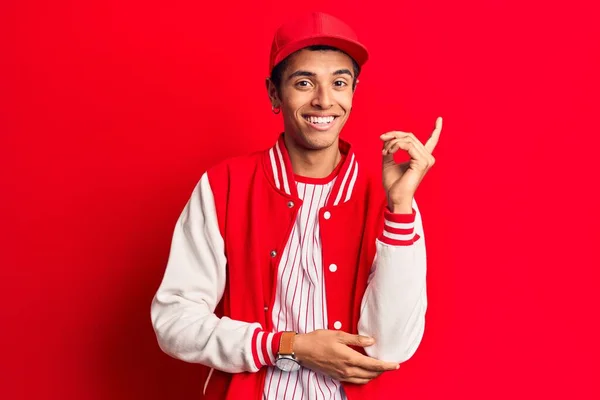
<point>299,345</point>
<point>400,204</point>
<point>400,208</point>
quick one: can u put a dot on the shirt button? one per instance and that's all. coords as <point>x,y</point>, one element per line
<point>290,204</point>
<point>273,253</point>
<point>266,308</point>
<point>326,215</point>
<point>333,267</point>
<point>337,325</point>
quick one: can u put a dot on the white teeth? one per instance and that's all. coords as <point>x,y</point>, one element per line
<point>320,120</point>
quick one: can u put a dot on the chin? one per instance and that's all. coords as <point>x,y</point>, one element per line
<point>319,140</point>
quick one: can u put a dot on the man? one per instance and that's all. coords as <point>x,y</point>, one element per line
<point>293,274</point>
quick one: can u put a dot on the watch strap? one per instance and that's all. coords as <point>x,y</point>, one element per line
<point>286,343</point>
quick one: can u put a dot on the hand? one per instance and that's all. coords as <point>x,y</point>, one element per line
<point>327,352</point>
<point>402,180</point>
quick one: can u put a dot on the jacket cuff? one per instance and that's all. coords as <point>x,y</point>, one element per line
<point>399,229</point>
<point>265,346</point>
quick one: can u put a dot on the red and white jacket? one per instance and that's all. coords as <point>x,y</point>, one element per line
<point>214,305</point>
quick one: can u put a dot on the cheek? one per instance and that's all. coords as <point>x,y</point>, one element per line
<point>345,101</point>
<point>290,114</point>
<point>294,105</point>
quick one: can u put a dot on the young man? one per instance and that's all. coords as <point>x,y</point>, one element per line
<point>293,273</point>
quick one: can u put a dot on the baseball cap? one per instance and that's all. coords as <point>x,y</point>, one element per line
<point>312,29</point>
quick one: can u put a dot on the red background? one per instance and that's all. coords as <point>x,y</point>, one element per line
<point>110,112</point>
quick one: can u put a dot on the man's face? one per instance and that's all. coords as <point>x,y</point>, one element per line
<point>316,96</point>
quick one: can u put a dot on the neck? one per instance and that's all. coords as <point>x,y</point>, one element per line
<point>313,163</point>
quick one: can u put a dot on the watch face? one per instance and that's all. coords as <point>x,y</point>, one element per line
<point>287,364</point>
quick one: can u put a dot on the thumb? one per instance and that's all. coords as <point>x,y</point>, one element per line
<point>357,340</point>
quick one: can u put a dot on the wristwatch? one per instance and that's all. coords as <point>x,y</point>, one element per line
<point>286,360</point>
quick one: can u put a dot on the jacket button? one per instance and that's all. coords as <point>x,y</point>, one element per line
<point>273,253</point>
<point>333,267</point>
<point>337,325</point>
<point>266,308</point>
<point>326,215</point>
<point>290,204</point>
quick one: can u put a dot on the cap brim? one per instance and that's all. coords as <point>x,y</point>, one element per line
<point>354,49</point>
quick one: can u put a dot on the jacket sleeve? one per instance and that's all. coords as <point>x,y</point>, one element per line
<point>183,308</point>
<point>395,301</point>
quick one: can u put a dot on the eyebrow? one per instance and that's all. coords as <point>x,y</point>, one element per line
<point>312,74</point>
<point>343,71</point>
<point>301,73</point>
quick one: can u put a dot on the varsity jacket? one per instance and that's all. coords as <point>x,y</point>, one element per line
<point>214,304</point>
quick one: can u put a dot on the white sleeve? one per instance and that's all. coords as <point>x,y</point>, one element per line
<point>194,281</point>
<point>394,304</point>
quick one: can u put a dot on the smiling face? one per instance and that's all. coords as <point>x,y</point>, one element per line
<point>315,96</point>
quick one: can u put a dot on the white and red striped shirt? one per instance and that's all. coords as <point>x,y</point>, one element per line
<point>300,301</point>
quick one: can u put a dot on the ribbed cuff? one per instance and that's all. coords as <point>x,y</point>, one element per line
<point>399,229</point>
<point>265,347</point>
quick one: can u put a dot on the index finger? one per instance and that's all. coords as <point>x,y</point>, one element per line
<point>435,136</point>
<point>373,364</point>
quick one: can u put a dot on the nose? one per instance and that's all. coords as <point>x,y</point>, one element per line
<point>322,99</point>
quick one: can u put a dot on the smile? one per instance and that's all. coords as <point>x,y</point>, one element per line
<point>320,123</point>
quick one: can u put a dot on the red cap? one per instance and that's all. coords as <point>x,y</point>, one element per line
<point>316,29</point>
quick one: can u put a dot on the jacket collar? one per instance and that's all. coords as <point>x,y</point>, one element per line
<point>279,170</point>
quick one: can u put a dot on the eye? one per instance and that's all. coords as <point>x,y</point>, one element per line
<point>303,84</point>
<point>340,83</point>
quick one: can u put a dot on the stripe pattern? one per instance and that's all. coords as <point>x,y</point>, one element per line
<point>283,176</point>
<point>279,168</point>
<point>347,183</point>
<point>264,347</point>
<point>399,229</point>
<point>300,303</point>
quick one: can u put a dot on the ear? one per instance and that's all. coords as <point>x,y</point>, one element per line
<point>272,92</point>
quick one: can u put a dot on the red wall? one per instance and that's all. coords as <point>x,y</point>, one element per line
<point>110,112</point>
